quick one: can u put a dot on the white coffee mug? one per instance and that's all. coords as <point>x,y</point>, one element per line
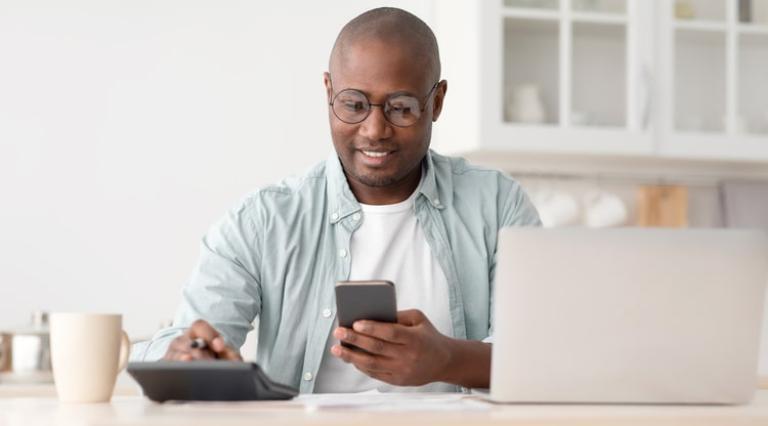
<point>603,209</point>
<point>556,208</point>
<point>87,352</point>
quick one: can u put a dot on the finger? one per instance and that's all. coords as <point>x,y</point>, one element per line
<point>198,354</point>
<point>176,348</point>
<point>370,344</point>
<point>410,317</point>
<point>180,344</point>
<point>223,351</point>
<point>393,333</point>
<point>181,350</point>
<point>202,329</point>
<point>216,344</point>
<point>361,360</point>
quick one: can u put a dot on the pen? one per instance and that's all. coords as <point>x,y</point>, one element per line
<point>198,343</point>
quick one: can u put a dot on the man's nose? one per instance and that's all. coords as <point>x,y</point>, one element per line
<point>376,127</point>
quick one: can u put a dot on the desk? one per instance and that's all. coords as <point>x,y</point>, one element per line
<point>439,409</point>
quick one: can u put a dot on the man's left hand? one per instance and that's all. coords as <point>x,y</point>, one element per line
<point>410,352</point>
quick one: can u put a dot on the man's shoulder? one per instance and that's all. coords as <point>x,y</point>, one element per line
<point>484,187</point>
<point>307,186</point>
<point>461,170</point>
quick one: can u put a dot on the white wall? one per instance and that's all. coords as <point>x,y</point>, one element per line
<point>128,127</point>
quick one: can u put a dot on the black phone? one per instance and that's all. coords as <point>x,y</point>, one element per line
<point>365,300</point>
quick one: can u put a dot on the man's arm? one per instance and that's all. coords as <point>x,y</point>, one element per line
<point>470,364</point>
<point>413,353</point>
<point>221,299</point>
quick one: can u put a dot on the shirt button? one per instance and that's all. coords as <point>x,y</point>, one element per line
<point>356,217</point>
<point>343,253</point>
<point>334,216</point>
<point>307,376</point>
<point>326,313</point>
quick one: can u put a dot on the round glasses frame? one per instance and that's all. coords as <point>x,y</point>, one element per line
<point>383,106</point>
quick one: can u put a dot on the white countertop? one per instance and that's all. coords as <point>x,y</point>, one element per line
<point>32,406</point>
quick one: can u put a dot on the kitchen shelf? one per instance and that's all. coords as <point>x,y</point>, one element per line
<point>532,4</point>
<point>599,18</point>
<point>714,26</point>
<point>752,29</point>
<point>536,14</point>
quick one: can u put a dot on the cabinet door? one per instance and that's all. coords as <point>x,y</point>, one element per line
<point>751,69</point>
<point>716,90</point>
<point>574,75</point>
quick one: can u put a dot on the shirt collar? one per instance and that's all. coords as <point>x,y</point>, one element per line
<point>341,201</point>
<point>429,186</point>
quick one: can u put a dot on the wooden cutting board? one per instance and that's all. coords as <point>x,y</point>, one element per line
<point>662,206</point>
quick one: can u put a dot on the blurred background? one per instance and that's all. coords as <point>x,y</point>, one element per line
<point>128,127</point>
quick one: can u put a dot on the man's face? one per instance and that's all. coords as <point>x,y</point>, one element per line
<point>375,152</point>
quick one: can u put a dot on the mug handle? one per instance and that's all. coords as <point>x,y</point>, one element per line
<point>125,351</point>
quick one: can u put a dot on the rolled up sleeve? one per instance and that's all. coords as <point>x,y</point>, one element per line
<point>224,288</point>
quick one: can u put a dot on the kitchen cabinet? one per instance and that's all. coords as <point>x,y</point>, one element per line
<point>684,79</point>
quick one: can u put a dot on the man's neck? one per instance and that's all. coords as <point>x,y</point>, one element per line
<point>382,195</point>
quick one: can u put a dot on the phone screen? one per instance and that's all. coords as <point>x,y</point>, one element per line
<point>365,300</point>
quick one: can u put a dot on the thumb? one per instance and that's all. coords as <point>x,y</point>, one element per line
<point>411,317</point>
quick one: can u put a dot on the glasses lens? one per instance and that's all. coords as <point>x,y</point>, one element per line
<point>402,110</point>
<point>351,106</point>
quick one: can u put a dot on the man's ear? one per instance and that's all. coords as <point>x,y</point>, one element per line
<point>328,86</point>
<point>440,91</point>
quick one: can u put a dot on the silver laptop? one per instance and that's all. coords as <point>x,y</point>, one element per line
<point>628,315</point>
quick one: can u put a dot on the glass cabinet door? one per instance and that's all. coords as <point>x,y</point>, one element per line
<point>531,71</point>
<point>752,68</point>
<point>700,80</point>
<point>599,98</point>
<point>699,41</point>
<point>700,10</point>
<point>555,57</point>
<point>719,57</point>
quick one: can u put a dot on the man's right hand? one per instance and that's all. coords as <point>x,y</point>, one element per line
<point>181,347</point>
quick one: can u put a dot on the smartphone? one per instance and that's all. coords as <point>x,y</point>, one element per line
<point>365,300</point>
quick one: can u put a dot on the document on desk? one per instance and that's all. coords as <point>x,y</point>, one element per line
<point>363,401</point>
<point>392,402</point>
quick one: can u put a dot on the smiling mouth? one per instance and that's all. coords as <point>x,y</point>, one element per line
<point>376,154</point>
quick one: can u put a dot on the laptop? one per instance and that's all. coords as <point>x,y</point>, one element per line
<point>648,316</point>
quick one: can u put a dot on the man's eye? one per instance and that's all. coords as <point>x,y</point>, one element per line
<point>353,105</point>
<point>400,109</point>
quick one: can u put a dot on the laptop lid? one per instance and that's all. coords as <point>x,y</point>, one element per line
<point>628,315</point>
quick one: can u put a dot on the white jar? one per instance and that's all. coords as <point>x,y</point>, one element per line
<point>524,105</point>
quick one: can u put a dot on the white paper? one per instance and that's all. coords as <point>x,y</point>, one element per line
<point>390,401</point>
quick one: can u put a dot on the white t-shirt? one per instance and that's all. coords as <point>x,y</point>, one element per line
<point>390,245</point>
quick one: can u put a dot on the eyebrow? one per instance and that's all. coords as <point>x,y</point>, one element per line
<point>401,92</point>
<point>367,94</point>
<point>388,95</point>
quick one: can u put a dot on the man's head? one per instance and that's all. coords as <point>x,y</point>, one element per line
<point>391,57</point>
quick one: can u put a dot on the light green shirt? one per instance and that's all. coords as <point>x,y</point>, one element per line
<point>278,254</point>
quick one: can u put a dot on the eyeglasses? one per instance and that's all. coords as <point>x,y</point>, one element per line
<point>352,106</point>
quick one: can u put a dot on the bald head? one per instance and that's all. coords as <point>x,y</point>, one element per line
<point>394,27</point>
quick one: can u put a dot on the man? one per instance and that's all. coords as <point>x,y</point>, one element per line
<point>382,207</point>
